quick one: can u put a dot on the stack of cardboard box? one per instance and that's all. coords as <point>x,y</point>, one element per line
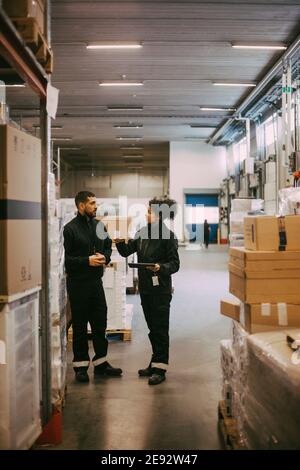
<point>20,283</point>
<point>265,277</point>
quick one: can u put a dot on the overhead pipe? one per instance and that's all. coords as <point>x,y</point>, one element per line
<point>275,70</point>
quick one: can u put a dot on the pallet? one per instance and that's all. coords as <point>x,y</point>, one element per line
<point>228,428</point>
<point>34,39</point>
<point>125,334</point>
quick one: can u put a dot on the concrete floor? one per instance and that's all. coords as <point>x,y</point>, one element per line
<point>125,413</point>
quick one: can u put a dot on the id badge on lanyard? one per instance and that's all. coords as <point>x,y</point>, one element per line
<point>155,281</point>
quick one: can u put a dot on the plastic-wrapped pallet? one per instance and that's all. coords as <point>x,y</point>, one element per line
<point>114,283</point>
<point>289,201</point>
<point>271,412</point>
<point>20,423</point>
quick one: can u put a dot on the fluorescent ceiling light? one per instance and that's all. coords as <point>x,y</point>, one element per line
<point>196,138</point>
<point>54,128</point>
<point>265,46</point>
<point>16,85</point>
<point>132,148</point>
<point>62,138</point>
<point>129,126</point>
<point>216,109</point>
<point>202,126</point>
<point>125,108</point>
<point>234,84</point>
<point>129,138</point>
<point>125,84</point>
<point>114,46</point>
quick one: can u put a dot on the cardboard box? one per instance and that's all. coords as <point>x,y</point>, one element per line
<point>117,227</point>
<point>20,211</point>
<point>261,287</point>
<point>267,261</point>
<point>268,233</point>
<point>26,9</point>
<point>266,316</point>
<point>230,309</point>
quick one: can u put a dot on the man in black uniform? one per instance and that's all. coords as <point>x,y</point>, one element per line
<point>155,243</point>
<point>85,257</point>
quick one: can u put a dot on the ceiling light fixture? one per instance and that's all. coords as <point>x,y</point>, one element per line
<point>216,109</point>
<point>203,126</point>
<point>129,138</point>
<point>259,46</point>
<point>234,84</point>
<point>128,126</point>
<point>126,108</point>
<point>114,46</point>
<point>54,128</point>
<point>196,138</point>
<point>132,148</point>
<point>62,138</point>
<point>15,85</point>
<point>125,84</point>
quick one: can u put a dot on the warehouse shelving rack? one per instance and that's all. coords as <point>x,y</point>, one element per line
<point>21,59</point>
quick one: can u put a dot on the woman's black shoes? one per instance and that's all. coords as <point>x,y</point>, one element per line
<point>156,379</point>
<point>81,375</point>
<point>106,369</point>
<point>145,372</point>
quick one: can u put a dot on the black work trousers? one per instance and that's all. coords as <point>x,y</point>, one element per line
<point>156,309</point>
<point>88,304</point>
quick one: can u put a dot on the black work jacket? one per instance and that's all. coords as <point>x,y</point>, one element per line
<point>154,244</point>
<point>80,242</point>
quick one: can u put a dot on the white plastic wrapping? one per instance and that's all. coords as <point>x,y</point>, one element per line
<point>289,201</point>
<point>261,386</point>
<point>20,423</point>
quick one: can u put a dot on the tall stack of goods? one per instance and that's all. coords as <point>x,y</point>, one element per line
<point>270,188</point>
<point>20,284</point>
<point>241,208</point>
<point>58,299</point>
<point>261,376</point>
<point>119,314</point>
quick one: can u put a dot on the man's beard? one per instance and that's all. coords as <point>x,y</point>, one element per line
<point>91,215</point>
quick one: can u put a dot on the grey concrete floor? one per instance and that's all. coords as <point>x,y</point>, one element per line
<point>126,413</point>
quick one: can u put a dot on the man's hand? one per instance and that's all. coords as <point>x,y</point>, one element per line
<point>97,260</point>
<point>118,240</point>
<point>155,268</point>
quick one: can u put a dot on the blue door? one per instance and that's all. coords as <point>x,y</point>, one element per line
<point>208,201</point>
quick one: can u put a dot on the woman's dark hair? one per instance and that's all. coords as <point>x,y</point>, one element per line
<point>164,207</point>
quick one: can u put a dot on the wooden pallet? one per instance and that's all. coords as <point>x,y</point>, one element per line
<point>34,39</point>
<point>125,334</point>
<point>228,428</point>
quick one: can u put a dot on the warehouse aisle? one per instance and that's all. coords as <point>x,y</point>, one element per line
<point>125,413</point>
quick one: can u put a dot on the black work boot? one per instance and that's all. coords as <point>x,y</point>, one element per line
<point>147,372</point>
<point>108,370</point>
<point>157,376</point>
<point>81,375</point>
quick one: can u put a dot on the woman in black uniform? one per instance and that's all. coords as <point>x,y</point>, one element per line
<point>155,243</point>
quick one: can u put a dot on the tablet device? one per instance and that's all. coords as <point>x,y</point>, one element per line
<point>141,265</point>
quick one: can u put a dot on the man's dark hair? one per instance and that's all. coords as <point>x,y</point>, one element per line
<point>83,196</point>
<point>164,207</point>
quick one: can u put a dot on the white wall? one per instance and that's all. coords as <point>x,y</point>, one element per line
<point>194,165</point>
<point>114,184</point>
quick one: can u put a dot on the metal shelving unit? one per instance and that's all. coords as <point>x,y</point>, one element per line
<point>23,62</point>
